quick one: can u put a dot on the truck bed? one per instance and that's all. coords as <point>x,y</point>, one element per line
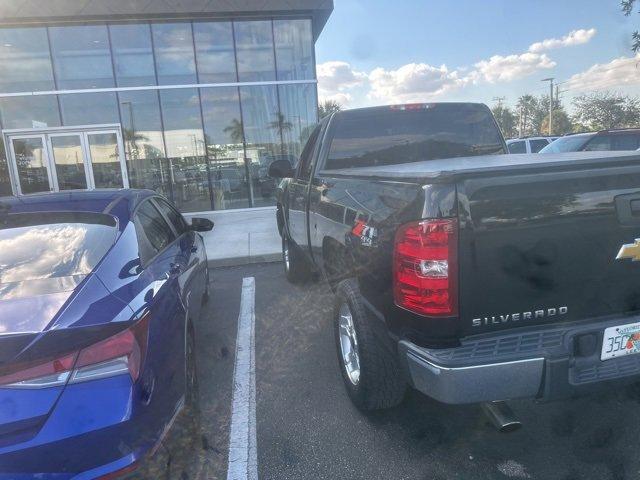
<point>452,169</point>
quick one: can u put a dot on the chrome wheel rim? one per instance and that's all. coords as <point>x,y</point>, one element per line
<point>285,254</point>
<point>349,344</point>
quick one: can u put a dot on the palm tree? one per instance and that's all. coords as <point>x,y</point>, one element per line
<point>235,131</point>
<point>281,124</point>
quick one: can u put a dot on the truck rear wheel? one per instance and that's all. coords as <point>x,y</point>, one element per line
<point>366,354</point>
<point>295,266</point>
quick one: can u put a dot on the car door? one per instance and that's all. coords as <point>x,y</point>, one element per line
<point>162,263</point>
<point>193,278</point>
<point>298,193</point>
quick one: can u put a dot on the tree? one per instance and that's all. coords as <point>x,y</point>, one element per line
<point>527,107</point>
<point>627,8</point>
<point>235,131</point>
<point>605,110</point>
<point>328,107</point>
<point>561,123</point>
<point>506,120</point>
<point>281,124</point>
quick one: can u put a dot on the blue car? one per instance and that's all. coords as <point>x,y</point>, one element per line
<point>99,292</point>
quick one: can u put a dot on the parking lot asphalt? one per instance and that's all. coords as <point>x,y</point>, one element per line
<point>308,429</point>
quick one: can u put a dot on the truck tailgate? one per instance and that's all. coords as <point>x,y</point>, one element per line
<point>541,247</point>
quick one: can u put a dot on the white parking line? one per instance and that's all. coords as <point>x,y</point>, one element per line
<point>243,451</point>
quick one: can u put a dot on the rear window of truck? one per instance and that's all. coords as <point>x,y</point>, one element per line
<point>394,135</point>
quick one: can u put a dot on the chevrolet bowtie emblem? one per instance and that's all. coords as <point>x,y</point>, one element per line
<point>630,250</point>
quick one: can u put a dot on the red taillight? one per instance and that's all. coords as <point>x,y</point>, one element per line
<point>425,267</point>
<point>43,374</point>
<point>121,353</point>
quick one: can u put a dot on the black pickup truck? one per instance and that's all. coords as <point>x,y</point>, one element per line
<point>467,273</point>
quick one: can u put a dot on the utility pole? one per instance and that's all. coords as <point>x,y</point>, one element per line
<point>499,100</point>
<point>550,80</point>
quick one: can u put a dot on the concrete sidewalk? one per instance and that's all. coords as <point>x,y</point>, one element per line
<point>241,237</point>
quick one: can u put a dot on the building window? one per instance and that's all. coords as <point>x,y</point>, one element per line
<point>264,127</point>
<point>214,52</point>
<point>81,57</point>
<point>89,109</point>
<point>147,164</point>
<point>25,62</point>
<point>132,55</point>
<point>175,60</point>
<point>225,148</point>
<point>29,112</point>
<point>254,51</point>
<point>298,106</point>
<point>294,49</point>
<point>186,149</point>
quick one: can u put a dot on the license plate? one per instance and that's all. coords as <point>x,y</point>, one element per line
<point>621,340</point>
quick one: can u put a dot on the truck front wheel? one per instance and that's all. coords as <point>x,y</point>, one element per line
<point>366,355</point>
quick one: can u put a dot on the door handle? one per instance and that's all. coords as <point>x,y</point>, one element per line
<point>175,269</point>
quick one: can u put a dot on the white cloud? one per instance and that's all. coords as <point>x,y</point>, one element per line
<point>413,82</point>
<point>336,79</point>
<point>575,37</point>
<point>620,72</point>
<point>511,67</point>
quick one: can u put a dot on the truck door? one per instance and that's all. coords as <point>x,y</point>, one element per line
<point>298,193</point>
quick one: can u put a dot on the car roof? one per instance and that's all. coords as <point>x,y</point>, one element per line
<point>117,202</point>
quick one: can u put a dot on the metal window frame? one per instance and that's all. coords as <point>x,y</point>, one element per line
<point>45,134</point>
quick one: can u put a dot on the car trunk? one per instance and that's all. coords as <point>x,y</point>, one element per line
<point>539,246</point>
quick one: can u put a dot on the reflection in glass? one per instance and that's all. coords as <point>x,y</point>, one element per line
<point>254,49</point>
<point>143,142</point>
<point>5,178</point>
<point>214,52</point>
<point>294,49</point>
<point>132,55</point>
<point>81,56</point>
<point>25,62</point>
<point>105,160</point>
<point>69,161</point>
<point>31,162</point>
<point>29,112</point>
<point>299,108</point>
<point>186,149</point>
<point>225,149</point>
<point>89,109</point>
<point>173,43</point>
<point>264,127</point>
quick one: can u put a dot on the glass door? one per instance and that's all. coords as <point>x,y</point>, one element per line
<point>105,159</point>
<point>68,155</point>
<point>67,159</point>
<point>31,164</point>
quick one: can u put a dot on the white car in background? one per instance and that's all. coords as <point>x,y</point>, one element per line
<point>529,144</point>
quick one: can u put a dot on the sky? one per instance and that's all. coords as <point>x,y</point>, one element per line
<point>375,52</point>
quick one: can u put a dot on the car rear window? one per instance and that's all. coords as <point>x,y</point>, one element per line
<point>391,136</point>
<point>50,245</point>
<point>573,143</point>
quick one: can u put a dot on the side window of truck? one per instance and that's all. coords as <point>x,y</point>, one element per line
<point>306,157</point>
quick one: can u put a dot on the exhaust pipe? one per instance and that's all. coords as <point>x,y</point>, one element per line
<point>501,416</point>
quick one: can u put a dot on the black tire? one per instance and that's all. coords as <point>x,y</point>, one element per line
<point>296,268</point>
<point>380,384</point>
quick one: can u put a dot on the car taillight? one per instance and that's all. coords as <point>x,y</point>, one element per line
<point>425,267</point>
<point>121,353</point>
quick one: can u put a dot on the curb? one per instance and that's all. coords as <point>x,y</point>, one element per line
<point>246,260</point>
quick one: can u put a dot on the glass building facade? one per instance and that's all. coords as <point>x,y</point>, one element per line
<point>196,110</point>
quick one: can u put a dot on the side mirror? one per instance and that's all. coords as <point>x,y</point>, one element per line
<point>280,169</point>
<point>201,224</point>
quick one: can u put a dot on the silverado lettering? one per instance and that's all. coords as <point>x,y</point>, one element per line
<point>515,317</point>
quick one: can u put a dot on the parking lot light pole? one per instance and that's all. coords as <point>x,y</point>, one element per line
<point>550,80</point>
